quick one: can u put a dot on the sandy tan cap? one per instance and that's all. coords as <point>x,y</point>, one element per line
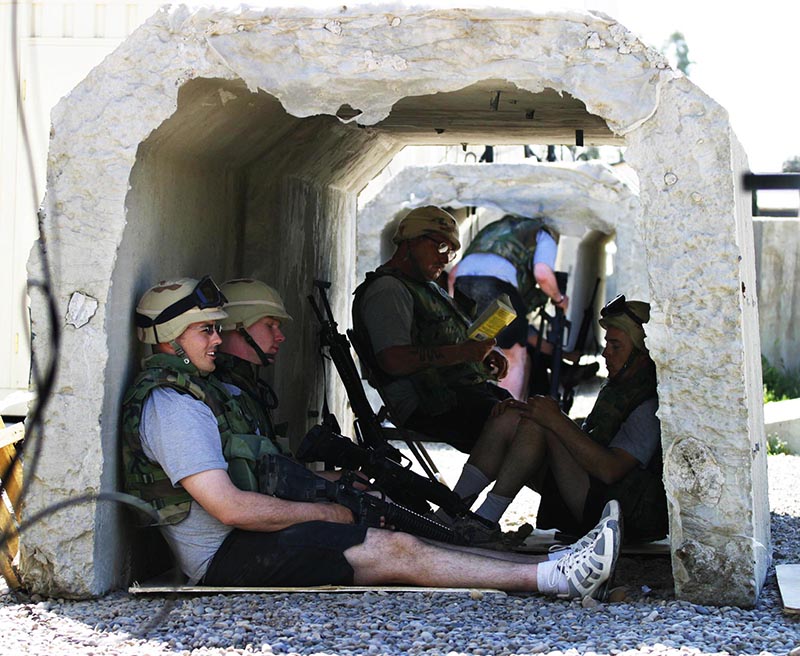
<point>170,307</point>
<point>425,220</point>
<point>627,316</point>
<point>249,300</point>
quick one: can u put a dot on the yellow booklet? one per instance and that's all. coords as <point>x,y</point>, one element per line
<point>498,314</point>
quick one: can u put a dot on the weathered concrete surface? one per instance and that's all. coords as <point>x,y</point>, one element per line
<point>699,246</point>
<point>177,155</point>
<point>778,275</point>
<point>782,421</point>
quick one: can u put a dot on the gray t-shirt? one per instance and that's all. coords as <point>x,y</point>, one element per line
<point>387,309</point>
<point>180,433</point>
<point>640,433</point>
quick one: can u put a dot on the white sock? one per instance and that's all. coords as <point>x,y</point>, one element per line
<point>471,482</point>
<point>550,581</point>
<point>493,507</point>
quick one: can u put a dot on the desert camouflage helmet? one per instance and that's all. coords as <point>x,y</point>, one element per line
<point>426,220</point>
<point>249,300</point>
<point>168,308</point>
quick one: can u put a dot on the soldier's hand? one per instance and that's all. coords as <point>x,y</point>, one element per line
<point>333,512</point>
<point>544,410</point>
<point>475,351</point>
<point>498,363</point>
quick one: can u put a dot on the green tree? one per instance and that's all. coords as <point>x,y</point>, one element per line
<point>792,165</point>
<point>677,50</point>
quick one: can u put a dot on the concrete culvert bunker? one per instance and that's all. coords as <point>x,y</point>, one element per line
<point>235,142</point>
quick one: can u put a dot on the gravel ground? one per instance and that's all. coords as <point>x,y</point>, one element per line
<point>649,622</point>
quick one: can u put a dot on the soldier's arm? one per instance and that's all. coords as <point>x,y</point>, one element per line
<point>251,511</point>
<point>607,464</point>
<point>546,279</point>
<point>405,360</point>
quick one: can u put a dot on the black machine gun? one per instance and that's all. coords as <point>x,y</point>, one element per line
<point>372,454</point>
<point>284,478</point>
<point>586,324</point>
<point>559,323</point>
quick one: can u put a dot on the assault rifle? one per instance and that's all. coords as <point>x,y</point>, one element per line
<point>284,478</point>
<point>586,323</point>
<point>551,329</point>
<point>372,454</point>
<point>559,323</point>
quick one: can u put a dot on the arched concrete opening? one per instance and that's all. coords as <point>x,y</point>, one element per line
<point>585,203</point>
<point>209,142</point>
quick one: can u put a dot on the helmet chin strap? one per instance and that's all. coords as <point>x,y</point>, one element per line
<point>180,352</point>
<point>266,360</point>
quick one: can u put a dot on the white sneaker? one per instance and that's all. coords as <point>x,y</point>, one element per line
<point>589,569</point>
<point>610,511</point>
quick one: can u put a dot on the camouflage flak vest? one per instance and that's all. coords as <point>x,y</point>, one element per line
<point>436,321</point>
<point>257,398</point>
<point>241,447</point>
<point>514,238</point>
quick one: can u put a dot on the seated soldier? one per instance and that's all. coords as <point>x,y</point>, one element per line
<point>251,338</point>
<point>190,451</point>
<point>614,454</point>
<point>433,378</point>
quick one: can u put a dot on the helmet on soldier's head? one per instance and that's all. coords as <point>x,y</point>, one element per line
<point>248,301</point>
<point>168,308</point>
<point>426,220</point>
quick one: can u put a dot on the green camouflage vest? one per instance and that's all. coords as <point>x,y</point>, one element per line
<point>256,399</point>
<point>514,238</point>
<point>436,321</point>
<point>241,447</point>
<point>641,491</point>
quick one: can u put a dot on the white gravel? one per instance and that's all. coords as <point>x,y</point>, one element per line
<point>650,622</point>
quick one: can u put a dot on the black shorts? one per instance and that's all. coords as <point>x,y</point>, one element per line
<point>311,553</point>
<point>461,426</point>
<point>483,290</point>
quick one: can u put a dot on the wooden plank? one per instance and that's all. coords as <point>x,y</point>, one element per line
<point>11,434</point>
<point>7,523</point>
<point>12,483</point>
<point>162,588</point>
<point>789,585</point>
<point>8,572</point>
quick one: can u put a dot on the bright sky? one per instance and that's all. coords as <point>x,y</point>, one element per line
<point>746,56</point>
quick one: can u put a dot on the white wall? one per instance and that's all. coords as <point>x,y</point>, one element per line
<point>57,44</point>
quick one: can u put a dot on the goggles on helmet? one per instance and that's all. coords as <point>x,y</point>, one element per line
<point>205,295</point>
<point>619,306</point>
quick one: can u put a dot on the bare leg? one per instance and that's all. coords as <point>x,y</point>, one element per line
<point>527,455</point>
<point>571,478</point>
<point>516,379</point>
<point>494,443</point>
<point>508,556</point>
<point>386,557</point>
